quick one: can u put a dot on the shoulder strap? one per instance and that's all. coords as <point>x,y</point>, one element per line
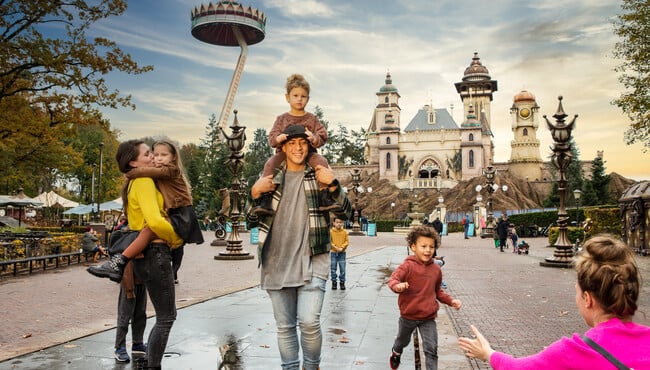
<point>619,365</point>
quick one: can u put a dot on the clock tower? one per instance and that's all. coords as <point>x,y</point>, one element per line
<point>525,159</point>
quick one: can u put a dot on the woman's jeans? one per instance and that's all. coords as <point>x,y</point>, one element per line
<point>338,259</point>
<point>299,306</point>
<point>429,334</point>
<point>133,310</point>
<point>155,269</point>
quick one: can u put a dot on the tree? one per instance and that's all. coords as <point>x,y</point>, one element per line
<point>58,74</point>
<point>329,149</point>
<point>259,151</point>
<point>633,28</point>
<point>214,173</point>
<point>599,182</point>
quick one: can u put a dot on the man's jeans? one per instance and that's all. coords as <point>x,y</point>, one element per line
<point>429,334</point>
<point>338,259</point>
<point>155,270</point>
<point>299,306</point>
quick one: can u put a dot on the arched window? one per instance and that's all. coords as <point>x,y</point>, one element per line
<point>471,137</point>
<point>387,140</point>
<point>525,132</point>
<point>388,161</point>
<point>471,159</point>
<point>432,118</point>
<point>386,100</point>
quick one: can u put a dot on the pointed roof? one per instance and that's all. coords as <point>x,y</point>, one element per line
<point>420,122</point>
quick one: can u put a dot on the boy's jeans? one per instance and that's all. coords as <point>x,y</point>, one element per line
<point>299,306</point>
<point>338,259</point>
<point>429,334</point>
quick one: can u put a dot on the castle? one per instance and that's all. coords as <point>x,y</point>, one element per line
<point>433,151</point>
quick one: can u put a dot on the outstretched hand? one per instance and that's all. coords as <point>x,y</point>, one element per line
<point>476,348</point>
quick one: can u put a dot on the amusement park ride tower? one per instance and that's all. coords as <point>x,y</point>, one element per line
<point>228,23</point>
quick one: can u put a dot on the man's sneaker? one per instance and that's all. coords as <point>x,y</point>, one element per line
<point>333,285</point>
<point>112,269</point>
<point>326,202</point>
<point>139,348</point>
<point>121,355</point>
<point>263,206</point>
<point>394,360</point>
<point>342,285</point>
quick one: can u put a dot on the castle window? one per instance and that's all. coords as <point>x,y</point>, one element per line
<point>388,161</point>
<point>432,117</point>
<point>471,137</point>
<point>471,159</point>
<point>386,100</point>
<point>388,140</point>
<point>525,132</point>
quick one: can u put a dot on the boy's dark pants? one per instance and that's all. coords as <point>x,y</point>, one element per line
<point>429,334</point>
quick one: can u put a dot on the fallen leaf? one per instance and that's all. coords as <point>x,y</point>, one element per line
<point>563,313</point>
<point>264,346</point>
<point>28,335</point>
<point>344,340</point>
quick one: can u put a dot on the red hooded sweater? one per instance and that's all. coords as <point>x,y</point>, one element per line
<point>420,300</point>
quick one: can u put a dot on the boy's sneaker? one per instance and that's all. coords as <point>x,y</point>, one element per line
<point>326,202</point>
<point>394,360</point>
<point>121,355</point>
<point>112,269</point>
<point>263,205</point>
<point>139,348</point>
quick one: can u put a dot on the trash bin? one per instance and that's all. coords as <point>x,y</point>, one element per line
<point>372,229</point>
<point>255,235</point>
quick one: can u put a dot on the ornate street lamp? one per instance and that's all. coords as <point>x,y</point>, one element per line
<point>490,173</point>
<point>235,162</point>
<point>356,189</point>
<point>561,133</point>
<point>576,195</point>
<point>392,210</point>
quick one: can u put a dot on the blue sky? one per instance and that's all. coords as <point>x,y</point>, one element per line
<point>344,48</point>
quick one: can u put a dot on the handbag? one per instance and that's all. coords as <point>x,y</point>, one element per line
<point>619,365</point>
<point>120,240</point>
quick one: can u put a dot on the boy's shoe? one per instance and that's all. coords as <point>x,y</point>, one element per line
<point>112,269</point>
<point>121,355</point>
<point>139,348</point>
<point>263,205</point>
<point>342,285</point>
<point>333,285</point>
<point>326,202</point>
<point>444,285</point>
<point>394,360</point>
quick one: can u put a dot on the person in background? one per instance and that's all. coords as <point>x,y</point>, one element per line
<point>418,281</point>
<point>466,221</point>
<point>502,230</point>
<point>89,243</point>
<point>607,291</point>
<point>340,241</point>
<point>131,308</point>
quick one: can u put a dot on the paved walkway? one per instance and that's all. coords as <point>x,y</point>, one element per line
<point>64,319</point>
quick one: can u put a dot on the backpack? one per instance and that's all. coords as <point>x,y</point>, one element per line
<point>464,221</point>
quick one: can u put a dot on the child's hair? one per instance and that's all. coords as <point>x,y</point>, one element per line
<point>297,80</point>
<point>425,231</point>
<point>177,158</point>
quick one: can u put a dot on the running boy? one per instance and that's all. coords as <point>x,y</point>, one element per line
<point>176,191</point>
<point>418,282</point>
<point>297,96</point>
<point>340,241</point>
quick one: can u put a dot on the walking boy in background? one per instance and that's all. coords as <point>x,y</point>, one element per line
<point>418,281</point>
<point>340,241</point>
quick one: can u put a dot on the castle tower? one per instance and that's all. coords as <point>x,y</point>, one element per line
<point>525,159</point>
<point>384,131</point>
<point>476,89</point>
<point>471,146</point>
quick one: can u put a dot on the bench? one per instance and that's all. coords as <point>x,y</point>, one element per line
<point>56,259</point>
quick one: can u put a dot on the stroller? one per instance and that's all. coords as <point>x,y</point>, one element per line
<point>522,247</point>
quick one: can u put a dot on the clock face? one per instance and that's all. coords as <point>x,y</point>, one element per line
<point>524,113</point>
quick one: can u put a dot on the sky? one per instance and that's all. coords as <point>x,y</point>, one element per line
<point>345,48</point>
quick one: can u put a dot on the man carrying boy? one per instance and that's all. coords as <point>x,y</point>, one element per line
<point>293,252</point>
<point>340,242</point>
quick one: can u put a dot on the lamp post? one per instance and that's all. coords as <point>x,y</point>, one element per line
<point>490,173</point>
<point>392,210</point>
<point>561,158</point>
<point>372,201</point>
<point>356,189</point>
<point>99,183</point>
<point>235,162</point>
<point>577,194</point>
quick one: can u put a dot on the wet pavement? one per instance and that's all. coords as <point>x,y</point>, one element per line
<point>65,319</point>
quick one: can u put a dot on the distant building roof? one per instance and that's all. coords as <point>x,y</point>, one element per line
<point>443,121</point>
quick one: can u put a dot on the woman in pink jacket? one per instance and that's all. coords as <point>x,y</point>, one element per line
<point>607,289</point>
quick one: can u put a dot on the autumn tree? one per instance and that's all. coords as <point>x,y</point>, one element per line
<point>633,49</point>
